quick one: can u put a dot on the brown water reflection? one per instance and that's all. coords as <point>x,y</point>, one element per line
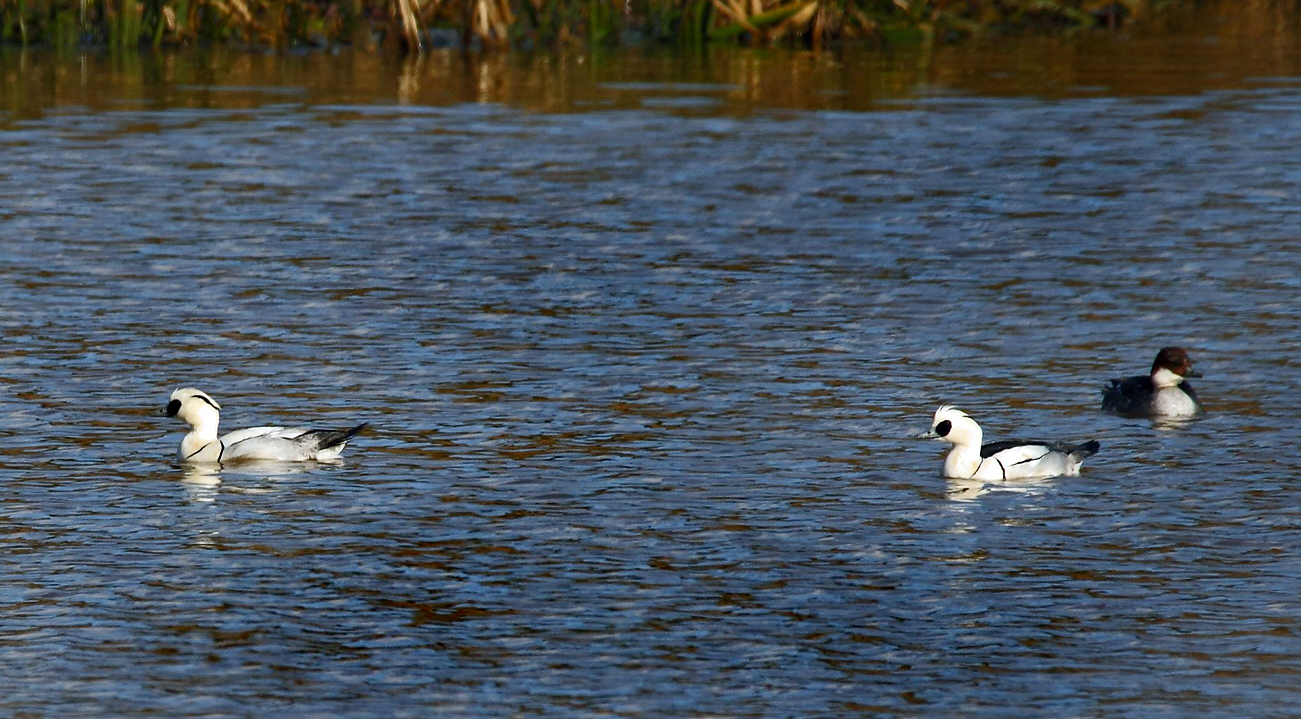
<point>1228,51</point>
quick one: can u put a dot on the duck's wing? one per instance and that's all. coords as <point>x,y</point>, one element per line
<point>293,444</point>
<point>1014,459</point>
<point>1014,450</point>
<point>276,443</point>
<point>1128,396</point>
<point>241,435</point>
<point>1022,460</point>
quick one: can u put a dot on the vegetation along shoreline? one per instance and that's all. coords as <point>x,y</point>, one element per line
<point>418,25</point>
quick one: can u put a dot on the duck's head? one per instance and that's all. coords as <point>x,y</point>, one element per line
<point>953,425</point>
<point>193,406</point>
<point>1171,366</point>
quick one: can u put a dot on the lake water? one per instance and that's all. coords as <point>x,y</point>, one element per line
<point>642,340</point>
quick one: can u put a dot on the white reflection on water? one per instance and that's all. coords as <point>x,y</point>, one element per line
<point>201,481</point>
<point>966,490</point>
<point>207,482</point>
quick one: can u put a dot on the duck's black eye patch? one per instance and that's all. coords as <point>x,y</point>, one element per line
<point>942,429</point>
<point>173,407</point>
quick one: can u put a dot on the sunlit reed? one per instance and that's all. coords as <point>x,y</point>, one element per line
<point>415,25</point>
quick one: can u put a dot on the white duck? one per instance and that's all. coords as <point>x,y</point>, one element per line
<point>286,444</point>
<point>969,459</point>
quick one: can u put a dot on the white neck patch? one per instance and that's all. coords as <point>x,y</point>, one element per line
<point>1165,378</point>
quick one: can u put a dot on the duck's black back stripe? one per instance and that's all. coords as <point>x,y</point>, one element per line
<point>1034,459</point>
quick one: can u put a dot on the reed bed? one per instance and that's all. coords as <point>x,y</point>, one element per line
<point>416,25</point>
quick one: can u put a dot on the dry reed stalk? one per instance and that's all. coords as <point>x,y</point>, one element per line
<point>491,21</point>
<point>234,9</point>
<point>409,10</point>
<point>809,16</point>
<point>737,11</point>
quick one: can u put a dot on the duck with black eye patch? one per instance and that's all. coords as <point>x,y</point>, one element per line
<point>1005,460</point>
<point>283,444</point>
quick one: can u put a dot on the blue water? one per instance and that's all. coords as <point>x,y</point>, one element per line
<point>642,381</point>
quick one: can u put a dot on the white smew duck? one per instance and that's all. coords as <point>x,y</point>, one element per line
<point>286,444</point>
<point>969,459</point>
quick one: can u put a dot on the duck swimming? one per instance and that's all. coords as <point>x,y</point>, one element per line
<point>1013,459</point>
<point>1163,392</point>
<point>286,444</point>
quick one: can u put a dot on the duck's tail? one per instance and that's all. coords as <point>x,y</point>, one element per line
<point>335,438</point>
<point>1083,449</point>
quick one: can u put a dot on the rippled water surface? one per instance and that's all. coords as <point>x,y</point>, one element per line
<point>642,343</point>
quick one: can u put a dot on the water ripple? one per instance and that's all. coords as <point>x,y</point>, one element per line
<point>641,390</point>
